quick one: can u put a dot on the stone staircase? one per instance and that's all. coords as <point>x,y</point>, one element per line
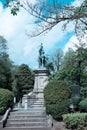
<point>32,119</point>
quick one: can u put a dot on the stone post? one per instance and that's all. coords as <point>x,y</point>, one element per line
<point>14,100</point>
<point>26,104</point>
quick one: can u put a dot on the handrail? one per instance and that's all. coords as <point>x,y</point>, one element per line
<point>4,119</point>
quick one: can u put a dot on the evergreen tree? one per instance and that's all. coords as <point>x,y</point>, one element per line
<point>24,81</point>
<point>5,65</point>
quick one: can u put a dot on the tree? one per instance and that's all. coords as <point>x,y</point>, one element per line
<point>50,66</point>
<point>73,69</point>
<point>24,81</point>
<point>81,64</point>
<point>5,65</point>
<point>49,14</point>
<point>57,59</point>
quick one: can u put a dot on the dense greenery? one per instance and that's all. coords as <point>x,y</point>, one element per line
<point>6,100</point>
<point>56,98</point>
<point>83,105</point>
<point>23,81</point>
<point>75,121</point>
<point>73,70</point>
<point>83,92</point>
<point>5,65</point>
<point>19,79</point>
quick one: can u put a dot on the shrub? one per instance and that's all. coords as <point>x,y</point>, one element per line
<point>75,121</point>
<point>6,100</point>
<point>56,91</point>
<point>56,95</point>
<point>83,92</point>
<point>58,109</point>
<point>83,105</point>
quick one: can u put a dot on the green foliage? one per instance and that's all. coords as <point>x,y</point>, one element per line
<point>58,109</point>
<point>75,121</point>
<point>73,69</point>
<point>57,91</point>
<point>5,66</point>
<point>83,92</point>
<point>15,8</point>
<point>23,81</point>
<point>56,95</point>
<point>83,105</point>
<point>6,100</point>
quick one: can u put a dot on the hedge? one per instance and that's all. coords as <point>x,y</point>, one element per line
<point>6,100</point>
<point>75,121</point>
<point>83,105</point>
<point>58,109</point>
<point>56,95</point>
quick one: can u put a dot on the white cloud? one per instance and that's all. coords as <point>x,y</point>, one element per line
<point>71,43</point>
<point>74,41</point>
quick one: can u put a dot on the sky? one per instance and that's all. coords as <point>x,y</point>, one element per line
<point>23,49</point>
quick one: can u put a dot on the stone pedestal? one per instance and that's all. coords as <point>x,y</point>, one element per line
<point>41,76</point>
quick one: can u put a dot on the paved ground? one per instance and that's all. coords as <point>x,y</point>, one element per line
<point>58,125</point>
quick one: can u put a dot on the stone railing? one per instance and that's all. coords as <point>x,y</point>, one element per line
<point>4,119</point>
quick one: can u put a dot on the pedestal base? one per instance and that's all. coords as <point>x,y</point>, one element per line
<point>41,76</point>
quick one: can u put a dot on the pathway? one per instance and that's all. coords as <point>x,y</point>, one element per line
<point>33,119</point>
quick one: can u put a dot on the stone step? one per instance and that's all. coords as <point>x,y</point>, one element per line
<point>22,124</point>
<point>38,108</point>
<point>27,113</point>
<point>25,117</point>
<point>38,105</point>
<point>27,120</point>
<point>40,101</point>
<point>26,128</point>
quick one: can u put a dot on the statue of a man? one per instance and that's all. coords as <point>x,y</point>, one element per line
<point>41,57</point>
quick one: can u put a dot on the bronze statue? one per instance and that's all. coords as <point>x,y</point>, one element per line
<point>42,57</point>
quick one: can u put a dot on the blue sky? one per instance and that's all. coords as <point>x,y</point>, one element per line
<point>23,49</point>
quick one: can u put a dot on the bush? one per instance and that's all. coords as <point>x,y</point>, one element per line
<point>6,100</point>
<point>56,91</point>
<point>83,105</point>
<point>83,92</point>
<point>75,121</point>
<point>57,110</point>
<point>56,95</point>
